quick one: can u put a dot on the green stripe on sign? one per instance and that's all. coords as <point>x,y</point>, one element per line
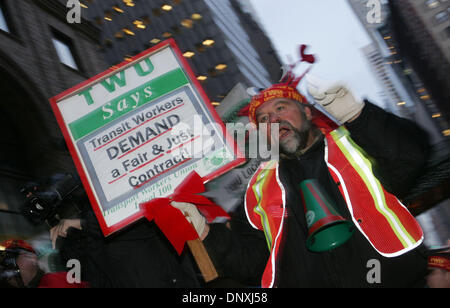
<point>128,102</point>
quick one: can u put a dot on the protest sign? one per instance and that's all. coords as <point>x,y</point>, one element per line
<point>137,130</point>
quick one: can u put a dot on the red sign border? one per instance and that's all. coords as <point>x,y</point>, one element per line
<point>71,146</point>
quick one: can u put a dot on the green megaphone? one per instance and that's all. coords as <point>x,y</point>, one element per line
<point>327,229</point>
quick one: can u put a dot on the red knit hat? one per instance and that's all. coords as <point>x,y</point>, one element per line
<point>17,244</point>
<point>440,261</point>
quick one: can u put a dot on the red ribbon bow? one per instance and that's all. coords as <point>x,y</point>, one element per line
<point>171,221</point>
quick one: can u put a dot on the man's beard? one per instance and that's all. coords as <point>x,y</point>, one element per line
<point>298,138</point>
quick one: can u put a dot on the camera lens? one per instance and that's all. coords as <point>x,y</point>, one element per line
<point>7,260</point>
<point>34,202</point>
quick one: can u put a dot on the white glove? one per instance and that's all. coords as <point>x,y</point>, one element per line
<point>192,215</point>
<point>335,99</point>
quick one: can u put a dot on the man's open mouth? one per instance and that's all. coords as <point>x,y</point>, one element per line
<point>284,132</point>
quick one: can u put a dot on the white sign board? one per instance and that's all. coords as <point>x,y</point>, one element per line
<point>136,131</point>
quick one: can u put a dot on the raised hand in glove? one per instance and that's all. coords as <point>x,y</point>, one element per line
<point>335,99</point>
<point>60,230</point>
<point>194,217</point>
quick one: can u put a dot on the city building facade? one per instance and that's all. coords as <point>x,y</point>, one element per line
<point>41,55</point>
<point>222,45</point>
<point>409,42</point>
<point>420,28</point>
<point>404,90</point>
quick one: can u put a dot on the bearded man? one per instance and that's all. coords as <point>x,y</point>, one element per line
<point>364,165</point>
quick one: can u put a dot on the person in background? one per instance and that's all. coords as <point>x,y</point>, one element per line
<point>439,264</point>
<point>19,268</point>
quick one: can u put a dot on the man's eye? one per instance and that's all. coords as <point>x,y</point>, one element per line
<point>280,108</point>
<point>263,119</point>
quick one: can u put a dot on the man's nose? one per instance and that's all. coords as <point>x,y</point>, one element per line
<point>274,118</point>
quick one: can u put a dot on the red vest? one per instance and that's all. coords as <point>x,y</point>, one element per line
<point>379,216</point>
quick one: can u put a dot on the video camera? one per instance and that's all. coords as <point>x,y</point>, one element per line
<point>51,200</point>
<point>8,266</point>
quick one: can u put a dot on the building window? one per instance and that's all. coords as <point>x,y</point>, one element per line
<point>128,31</point>
<point>188,23</point>
<point>129,3</point>
<point>108,16</point>
<point>441,17</point>
<point>208,42</point>
<point>431,4</point>
<point>64,49</point>
<point>167,7</point>
<point>196,16</point>
<point>221,67</point>
<point>3,22</point>
<point>139,24</point>
<point>118,9</point>
<point>189,54</point>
